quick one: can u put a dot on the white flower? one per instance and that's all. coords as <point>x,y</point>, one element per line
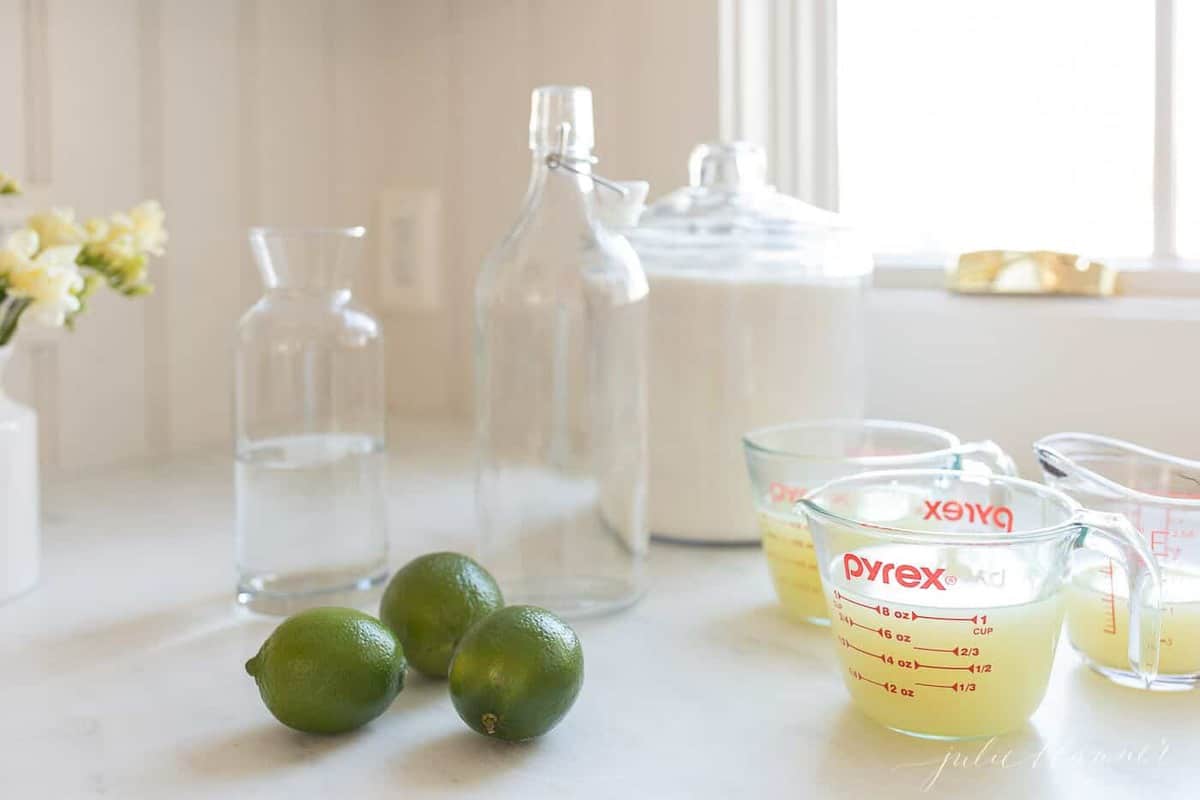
<point>120,247</point>
<point>18,252</point>
<point>126,236</point>
<point>49,279</point>
<point>22,244</point>
<point>57,227</point>
<point>96,229</point>
<point>149,230</point>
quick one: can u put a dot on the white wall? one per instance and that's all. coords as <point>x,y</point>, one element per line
<point>236,112</point>
<point>240,112</point>
<point>1015,369</point>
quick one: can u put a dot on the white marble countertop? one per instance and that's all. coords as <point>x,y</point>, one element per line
<point>121,676</point>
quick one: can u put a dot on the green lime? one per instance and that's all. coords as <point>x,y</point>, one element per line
<point>329,670</point>
<point>432,601</point>
<point>516,674</point>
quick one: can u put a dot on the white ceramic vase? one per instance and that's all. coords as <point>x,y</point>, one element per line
<point>20,538</point>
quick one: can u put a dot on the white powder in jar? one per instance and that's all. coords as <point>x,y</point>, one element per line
<point>731,352</point>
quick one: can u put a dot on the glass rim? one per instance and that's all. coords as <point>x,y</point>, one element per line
<point>1047,444</point>
<point>349,231</point>
<point>1070,506</point>
<point>953,443</point>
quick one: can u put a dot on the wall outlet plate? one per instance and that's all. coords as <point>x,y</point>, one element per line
<point>410,249</point>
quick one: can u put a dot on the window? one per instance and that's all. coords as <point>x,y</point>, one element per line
<point>1020,124</point>
<point>1062,124</point>
<point>1187,126</point>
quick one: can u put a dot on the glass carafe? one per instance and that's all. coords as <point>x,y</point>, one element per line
<point>311,524</point>
<point>561,386</point>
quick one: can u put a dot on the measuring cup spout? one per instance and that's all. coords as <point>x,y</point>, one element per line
<point>988,455</point>
<point>1145,586</point>
<point>1051,461</point>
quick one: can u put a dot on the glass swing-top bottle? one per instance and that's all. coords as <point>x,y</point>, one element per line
<point>561,385</point>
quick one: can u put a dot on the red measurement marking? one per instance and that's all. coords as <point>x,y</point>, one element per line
<point>974,619</point>
<point>969,668</point>
<point>950,686</point>
<point>938,649</point>
<point>862,677</point>
<point>1159,543</point>
<point>841,596</point>
<point>848,643</point>
<point>911,615</point>
<point>1111,599</point>
<point>853,623</point>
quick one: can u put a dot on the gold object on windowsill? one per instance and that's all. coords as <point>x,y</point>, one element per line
<point>1032,272</point>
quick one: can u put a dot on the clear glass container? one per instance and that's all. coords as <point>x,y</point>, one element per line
<point>309,417</point>
<point>787,461</point>
<point>946,591</point>
<point>561,386</point>
<point>756,319</point>
<point>1160,494</point>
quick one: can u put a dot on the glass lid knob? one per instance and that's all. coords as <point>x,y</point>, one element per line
<point>728,166</point>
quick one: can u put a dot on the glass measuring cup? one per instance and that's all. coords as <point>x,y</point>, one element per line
<point>785,461</point>
<point>1160,494</point>
<point>946,590</point>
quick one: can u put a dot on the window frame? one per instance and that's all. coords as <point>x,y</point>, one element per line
<point>778,86</point>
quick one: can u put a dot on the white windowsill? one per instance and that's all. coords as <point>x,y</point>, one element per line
<point>1180,280</point>
<point>1035,312</point>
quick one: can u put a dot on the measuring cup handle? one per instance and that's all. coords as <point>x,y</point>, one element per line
<point>987,456</point>
<point>1145,586</point>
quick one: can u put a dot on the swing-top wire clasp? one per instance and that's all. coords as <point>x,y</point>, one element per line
<point>560,159</point>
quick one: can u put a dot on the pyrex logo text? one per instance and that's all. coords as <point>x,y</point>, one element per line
<point>782,493</point>
<point>906,575</point>
<point>952,511</point>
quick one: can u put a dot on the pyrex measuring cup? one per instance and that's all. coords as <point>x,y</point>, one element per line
<point>1160,494</point>
<point>785,461</point>
<point>946,591</point>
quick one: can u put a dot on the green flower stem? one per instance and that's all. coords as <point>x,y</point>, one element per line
<point>127,279</point>
<point>10,313</point>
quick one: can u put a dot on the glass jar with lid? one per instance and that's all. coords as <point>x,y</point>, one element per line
<point>756,318</point>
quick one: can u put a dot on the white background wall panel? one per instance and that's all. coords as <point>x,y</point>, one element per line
<point>241,112</point>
